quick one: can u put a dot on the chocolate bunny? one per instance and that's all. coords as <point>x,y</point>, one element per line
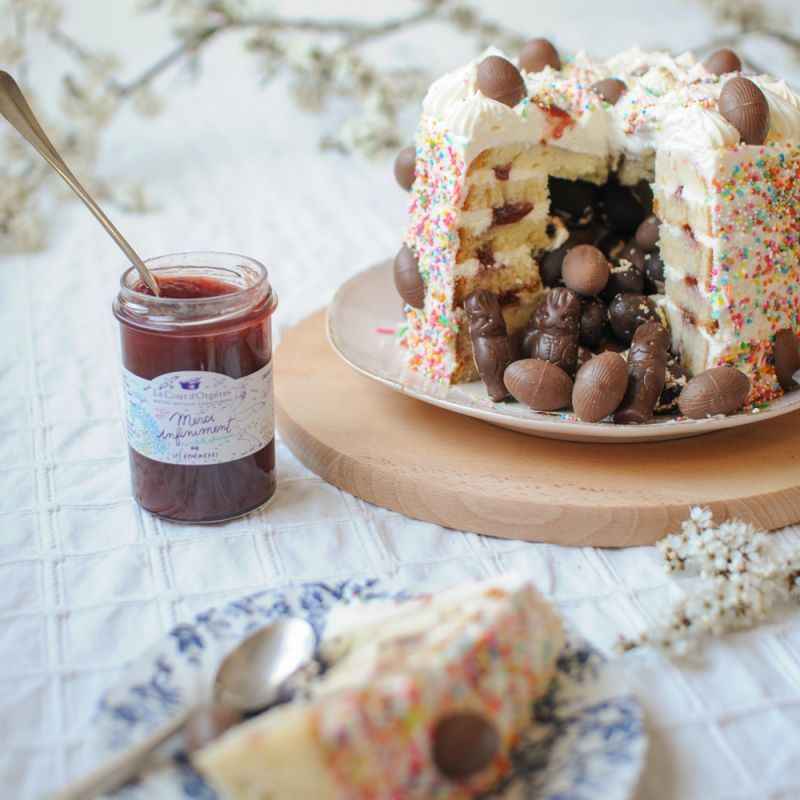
<point>492,347</point>
<point>647,369</point>
<point>555,327</point>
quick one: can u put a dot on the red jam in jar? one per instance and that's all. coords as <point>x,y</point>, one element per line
<point>197,373</point>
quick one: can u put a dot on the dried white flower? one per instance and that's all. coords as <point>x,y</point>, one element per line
<point>146,102</point>
<point>742,574</point>
<point>43,13</point>
<point>13,51</point>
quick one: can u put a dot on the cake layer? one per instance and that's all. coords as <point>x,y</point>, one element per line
<point>396,670</point>
<point>685,172</point>
<point>506,220</point>
<point>496,195</point>
<point>685,255</point>
<point>673,207</point>
<point>502,279</point>
<point>631,170</point>
<point>693,344</point>
<point>535,231</point>
<point>532,159</point>
<point>687,296</point>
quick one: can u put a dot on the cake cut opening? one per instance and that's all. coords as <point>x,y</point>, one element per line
<point>524,208</point>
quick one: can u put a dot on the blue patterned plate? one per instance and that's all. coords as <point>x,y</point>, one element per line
<point>587,741</point>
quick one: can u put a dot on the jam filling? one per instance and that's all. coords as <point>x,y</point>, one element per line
<point>510,212</point>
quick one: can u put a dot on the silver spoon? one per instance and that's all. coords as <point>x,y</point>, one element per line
<point>250,678</point>
<point>14,107</point>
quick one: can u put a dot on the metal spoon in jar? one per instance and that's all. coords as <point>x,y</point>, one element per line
<point>250,678</point>
<point>14,107</point>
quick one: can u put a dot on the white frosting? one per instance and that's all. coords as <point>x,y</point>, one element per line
<point>448,90</point>
<point>669,99</point>
<point>784,107</point>
<point>689,118</point>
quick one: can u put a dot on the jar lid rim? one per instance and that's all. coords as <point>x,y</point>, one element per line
<point>175,261</point>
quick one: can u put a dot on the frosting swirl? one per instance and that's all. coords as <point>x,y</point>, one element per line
<point>669,101</point>
<point>784,107</point>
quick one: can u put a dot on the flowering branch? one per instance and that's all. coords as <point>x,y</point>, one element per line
<point>742,573</point>
<point>322,59</point>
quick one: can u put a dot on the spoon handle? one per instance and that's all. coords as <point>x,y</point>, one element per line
<point>123,766</point>
<point>14,107</point>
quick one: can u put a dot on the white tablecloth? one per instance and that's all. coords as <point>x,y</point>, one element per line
<point>87,579</point>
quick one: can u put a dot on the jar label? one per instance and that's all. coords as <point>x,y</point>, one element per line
<point>199,417</point>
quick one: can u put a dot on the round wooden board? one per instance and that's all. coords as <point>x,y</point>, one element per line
<point>435,465</point>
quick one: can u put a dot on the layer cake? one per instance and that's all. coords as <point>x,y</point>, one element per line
<point>640,128</point>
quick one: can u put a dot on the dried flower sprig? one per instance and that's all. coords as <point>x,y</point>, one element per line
<point>742,574</point>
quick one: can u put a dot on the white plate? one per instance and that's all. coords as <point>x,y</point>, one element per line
<point>587,742</point>
<point>360,324</point>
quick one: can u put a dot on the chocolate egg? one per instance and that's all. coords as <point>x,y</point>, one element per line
<point>538,384</point>
<point>744,105</point>
<point>407,280</point>
<point>551,263</point>
<point>536,54</point>
<point>786,354</point>
<point>719,390</point>
<point>623,278</point>
<point>653,274</point>
<point>609,89</point>
<point>585,270</point>
<point>404,166</point>
<point>208,723</point>
<point>594,322</point>
<point>463,743</point>
<point>633,253</point>
<point>628,311</point>
<point>647,234</point>
<point>498,79</point>
<point>720,62</point>
<point>600,385</point>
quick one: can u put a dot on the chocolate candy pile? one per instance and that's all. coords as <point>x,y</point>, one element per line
<point>598,341</point>
<point>549,367</point>
<point>546,369</point>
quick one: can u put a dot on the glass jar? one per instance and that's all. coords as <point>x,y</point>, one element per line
<point>197,374</point>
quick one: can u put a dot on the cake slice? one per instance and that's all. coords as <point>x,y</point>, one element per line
<point>400,674</point>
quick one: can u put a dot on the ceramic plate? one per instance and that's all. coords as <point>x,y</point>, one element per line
<point>587,740</point>
<point>361,322</point>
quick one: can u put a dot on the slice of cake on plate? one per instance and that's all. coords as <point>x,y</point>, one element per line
<point>423,698</point>
<point>518,159</point>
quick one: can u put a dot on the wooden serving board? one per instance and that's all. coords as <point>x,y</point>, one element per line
<point>435,465</point>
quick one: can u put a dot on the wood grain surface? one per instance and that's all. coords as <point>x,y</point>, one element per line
<point>435,465</point>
